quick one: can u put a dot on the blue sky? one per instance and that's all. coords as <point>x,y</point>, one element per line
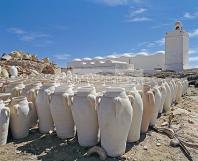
<point>67,29</point>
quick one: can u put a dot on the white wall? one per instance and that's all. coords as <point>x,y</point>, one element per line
<point>176,48</point>
<point>149,62</point>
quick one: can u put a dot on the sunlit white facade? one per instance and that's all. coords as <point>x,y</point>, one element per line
<point>176,48</point>
<point>175,57</point>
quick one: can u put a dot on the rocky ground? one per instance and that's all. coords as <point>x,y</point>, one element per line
<point>152,147</point>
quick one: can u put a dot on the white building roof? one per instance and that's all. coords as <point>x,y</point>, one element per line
<point>116,62</point>
<point>77,59</point>
<point>160,52</point>
<point>87,59</point>
<point>127,55</point>
<point>142,54</point>
<point>111,56</point>
<point>98,57</point>
<point>92,62</point>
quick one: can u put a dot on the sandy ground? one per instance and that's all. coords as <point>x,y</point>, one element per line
<point>152,147</point>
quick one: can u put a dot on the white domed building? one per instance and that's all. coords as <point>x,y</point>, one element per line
<point>174,58</point>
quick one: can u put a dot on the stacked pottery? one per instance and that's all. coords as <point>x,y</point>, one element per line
<point>85,116</point>
<point>31,96</point>
<point>167,102</point>
<point>148,107</point>
<point>20,110</point>
<point>137,105</point>
<point>13,71</point>
<point>60,107</point>
<point>46,123</point>
<point>158,97</point>
<point>115,117</point>
<point>4,123</point>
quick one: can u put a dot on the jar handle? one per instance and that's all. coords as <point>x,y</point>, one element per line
<point>92,100</point>
<point>16,109</point>
<point>131,98</point>
<point>141,93</point>
<point>31,106</point>
<point>151,97</point>
<point>117,103</point>
<point>67,100</point>
<point>7,112</point>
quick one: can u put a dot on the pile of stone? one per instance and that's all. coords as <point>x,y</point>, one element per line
<point>26,64</point>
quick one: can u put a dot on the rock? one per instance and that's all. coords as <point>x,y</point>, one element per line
<point>180,111</point>
<point>18,151</point>
<point>6,57</point>
<point>190,121</point>
<point>164,124</point>
<point>145,147</point>
<point>174,142</point>
<point>158,144</point>
<point>98,150</point>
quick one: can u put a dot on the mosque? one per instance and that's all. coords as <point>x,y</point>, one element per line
<point>175,57</point>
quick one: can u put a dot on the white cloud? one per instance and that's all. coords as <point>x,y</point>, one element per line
<point>116,2</point>
<point>136,15</point>
<point>151,44</point>
<point>194,33</point>
<point>139,19</point>
<point>193,59</point>
<point>62,56</point>
<point>17,31</point>
<point>189,15</point>
<point>132,13</point>
<point>193,51</point>
<point>27,36</point>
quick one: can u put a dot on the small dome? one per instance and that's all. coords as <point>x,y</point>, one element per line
<point>77,59</point>
<point>87,59</point>
<point>126,55</point>
<point>101,62</point>
<point>142,54</point>
<point>98,57</point>
<point>112,56</point>
<point>92,63</point>
<point>160,52</point>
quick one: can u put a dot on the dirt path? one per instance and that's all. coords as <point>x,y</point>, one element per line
<point>152,146</point>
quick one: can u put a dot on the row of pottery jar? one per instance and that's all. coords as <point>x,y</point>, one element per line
<point>17,116</point>
<point>113,116</point>
<point>20,114</point>
<point>83,113</point>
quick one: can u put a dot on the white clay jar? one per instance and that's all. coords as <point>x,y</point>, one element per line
<point>4,122</point>
<point>43,98</point>
<point>20,110</point>
<point>115,117</point>
<point>148,107</point>
<point>85,116</point>
<point>60,107</point>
